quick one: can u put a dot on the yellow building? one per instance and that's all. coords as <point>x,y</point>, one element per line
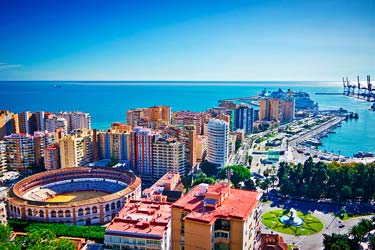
<point>76,149</point>
<point>153,117</point>
<point>216,217</point>
<point>6,123</point>
<point>114,143</point>
<point>187,135</point>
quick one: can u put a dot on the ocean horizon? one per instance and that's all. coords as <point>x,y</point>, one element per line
<point>108,101</point>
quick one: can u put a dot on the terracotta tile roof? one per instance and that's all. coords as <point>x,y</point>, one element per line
<point>237,204</point>
<point>141,219</point>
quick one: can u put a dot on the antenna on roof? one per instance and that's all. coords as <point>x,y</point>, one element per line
<point>229,174</point>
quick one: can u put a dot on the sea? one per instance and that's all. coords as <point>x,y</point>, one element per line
<point>108,102</point>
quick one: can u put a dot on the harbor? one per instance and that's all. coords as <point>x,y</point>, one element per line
<point>364,91</point>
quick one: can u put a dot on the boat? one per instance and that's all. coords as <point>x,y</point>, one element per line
<point>361,154</point>
<point>314,142</point>
<point>57,86</point>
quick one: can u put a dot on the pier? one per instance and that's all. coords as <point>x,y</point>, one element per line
<point>358,90</point>
<point>304,136</point>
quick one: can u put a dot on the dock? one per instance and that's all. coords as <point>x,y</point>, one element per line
<point>304,136</point>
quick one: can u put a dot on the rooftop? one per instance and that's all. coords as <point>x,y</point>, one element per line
<point>141,219</point>
<point>217,201</point>
<point>167,182</point>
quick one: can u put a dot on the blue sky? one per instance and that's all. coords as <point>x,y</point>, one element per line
<point>186,40</point>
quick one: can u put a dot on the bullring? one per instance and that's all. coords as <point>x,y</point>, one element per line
<point>79,196</point>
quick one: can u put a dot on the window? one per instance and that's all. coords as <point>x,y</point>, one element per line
<point>80,212</point>
<point>53,214</point>
<point>222,225</point>
<point>222,235</point>
<point>183,214</point>
<point>60,214</point>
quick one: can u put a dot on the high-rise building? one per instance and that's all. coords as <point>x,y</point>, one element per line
<point>76,120</point>
<point>218,135</point>
<point>29,122</point>
<point>6,127</point>
<point>198,119</point>
<point>24,150</point>
<point>168,155</point>
<point>23,122</point>
<point>140,225</point>
<point>20,151</point>
<point>277,107</point>
<point>52,157</point>
<point>187,135</point>
<point>120,127</point>
<point>54,122</point>
<point>36,122</point>
<point>114,144</point>
<point>153,117</point>
<point>201,143</point>
<point>142,140</point>
<point>3,157</point>
<point>244,118</point>
<point>216,217</point>
<point>41,141</point>
<point>158,114</point>
<point>76,149</point>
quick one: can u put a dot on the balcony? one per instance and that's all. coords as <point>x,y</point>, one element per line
<point>221,236</point>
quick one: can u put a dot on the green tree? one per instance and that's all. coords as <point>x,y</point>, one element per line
<point>46,240</point>
<point>250,185</point>
<point>358,233</point>
<point>371,241</point>
<point>345,192</point>
<point>113,161</point>
<point>210,169</point>
<point>202,178</point>
<point>4,233</point>
<point>336,242</point>
<point>240,173</point>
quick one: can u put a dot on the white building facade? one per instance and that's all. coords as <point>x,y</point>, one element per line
<point>218,149</point>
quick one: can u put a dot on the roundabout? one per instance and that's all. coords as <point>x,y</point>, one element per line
<point>291,222</point>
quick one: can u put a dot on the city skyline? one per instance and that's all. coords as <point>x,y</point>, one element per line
<point>210,40</point>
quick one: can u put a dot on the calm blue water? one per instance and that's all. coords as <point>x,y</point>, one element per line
<point>108,102</point>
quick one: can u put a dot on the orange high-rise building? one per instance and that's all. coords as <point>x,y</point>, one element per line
<point>187,135</point>
<point>52,157</point>
<point>216,217</point>
<point>153,117</point>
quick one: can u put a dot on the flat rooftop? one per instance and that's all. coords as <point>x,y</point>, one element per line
<point>168,182</point>
<point>235,203</point>
<point>141,219</point>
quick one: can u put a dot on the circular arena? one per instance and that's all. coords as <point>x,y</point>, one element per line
<point>79,196</point>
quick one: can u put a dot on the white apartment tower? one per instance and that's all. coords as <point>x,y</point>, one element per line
<point>218,134</point>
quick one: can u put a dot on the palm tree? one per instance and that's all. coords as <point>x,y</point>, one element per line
<point>358,233</point>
